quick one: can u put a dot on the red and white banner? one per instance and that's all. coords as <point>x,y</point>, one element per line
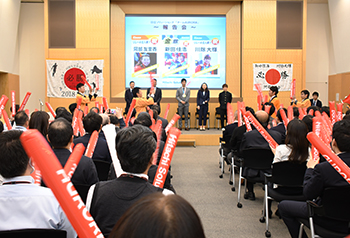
<point>284,118</point>
<point>340,111</point>
<point>6,119</point>
<point>105,103</point>
<point>333,113</point>
<point>267,75</point>
<point>230,118</point>
<point>246,120</point>
<point>167,111</point>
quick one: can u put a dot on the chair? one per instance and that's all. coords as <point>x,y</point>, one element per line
<point>218,117</point>
<point>37,233</point>
<point>258,159</point>
<point>183,118</point>
<point>284,174</point>
<point>335,205</point>
<point>83,190</point>
<point>102,168</point>
<point>222,164</point>
<point>197,119</point>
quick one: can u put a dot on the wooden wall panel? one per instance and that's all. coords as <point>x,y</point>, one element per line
<point>9,82</point>
<point>338,83</point>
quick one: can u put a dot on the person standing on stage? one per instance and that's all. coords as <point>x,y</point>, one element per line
<point>157,96</point>
<point>128,95</point>
<point>141,103</point>
<point>315,101</point>
<point>305,103</point>
<point>274,100</point>
<point>203,97</point>
<point>183,97</point>
<point>224,97</point>
<point>85,100</point>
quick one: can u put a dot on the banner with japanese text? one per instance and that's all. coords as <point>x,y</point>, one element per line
<point>267,75</point>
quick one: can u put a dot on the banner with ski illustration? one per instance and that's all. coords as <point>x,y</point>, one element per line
<point>267,75</point>
<point>64,75</point>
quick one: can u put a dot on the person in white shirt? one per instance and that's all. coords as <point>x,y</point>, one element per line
<point>25,205</point>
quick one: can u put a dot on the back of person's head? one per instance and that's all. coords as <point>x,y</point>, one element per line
<point>251,110</point>
<point>262,117</point>
<point>16,108</point>
<point>135,146</point>
<point>114,120</point>
<point>308,121</point>
<point>272,107</point>
<point>341,134</point>
<point>13,158</point>
<point>274,89</point>
<point>92,122</point>
<point>158,216</point>
<point>135,91</point>
<point>279,114</point>
<point>105,119</point>
<point>143,119</point>
<point>21,118</point>
<point>72,107</point>
<point>155,114</point>
<point>60,109</point>
<point>95,109</point>
<point>314,108</point>
<point>1,126</point>
<point>346,117</point>
<point>157,108</point>
<point>66,115</point>
<point>296,140</point>
<point>326,110</point>
<point>60,133</point>
<point>296,112</point>
<point>39,120</point>
<point>306,92</point>
<point>346,113</point>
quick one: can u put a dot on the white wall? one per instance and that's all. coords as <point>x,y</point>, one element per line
<point>32,53</point>
<point>9,15</point>
<point>318,49</point>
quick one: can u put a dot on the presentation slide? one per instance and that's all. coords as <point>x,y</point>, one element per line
<point>170,48</point>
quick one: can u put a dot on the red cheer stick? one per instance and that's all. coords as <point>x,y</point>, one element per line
<point>75,122</point>
<point>167,111</point>
<point>265,99</point>
<point>259,99</point>
<point>284,118</point>
<point>36,175</point>
<point>80,99</point>
<point>131,108</point>
<point>27,112</point>
<point>340,111</point>
<point>292,89</point>
<point>50,109</point>
<point>290,113</point>
<point>101,108</point>
<point>81,127</point>
<point>86,110</point>
<point>258,88</point>
<point>281,105</point>
<point>328,154</point>
<point>97,104</point>
<point>301,113</point>
<point>85,81</point>
<point>305,110</point>
<point>6,119</point>
<point>267,109</point>
<point>158,131</point>
<point>328,120</point>
<point>74,159</point>
<point>168,152</point>
<point>97,81</point>
<point>229,113</point>
<point>332,112</point>
<point>57,180</point>
<point>239,105</point>
<point>13,103</point>
<point>347,99</point>
<point>3,102</point>
<point>105,103</point>
<point>25,100</point>
<point>246,121</point>
<point>311,112</point>
<point>92,144</point>
<point>316,128</point>
<point>172,122</point>
<point>261,130</point>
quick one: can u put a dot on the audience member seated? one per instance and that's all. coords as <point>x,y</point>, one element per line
<point>326,110</point>
<point>23,204</point>
<point>346,117</point>
<point>159,216</point>
<point>308,121</point>
<point>347,112</point>
<point>64,114</point>
<point>108,200</point>
<point>72,107</point>
<point>60,136</point>
<point>226,136</point>
<point>254,140</point>
<point>12,119</point>
<point>156,117</point>
<point>95,110</point>
<point>315,101</point>
<point>272,108</point>
<point>39,120</point>
<point>314,108</point>
<point>280,125</point>
<point>295,113</point>
<point>21,120</point>
<point>93,122</point>
<point>60,109</point>
<point>317,178</point>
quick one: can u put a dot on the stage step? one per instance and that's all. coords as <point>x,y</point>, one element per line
<point>186,141</point>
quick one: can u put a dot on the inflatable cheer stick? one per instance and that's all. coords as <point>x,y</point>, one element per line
<point>6,119</point>
<point>92,144</point>
<point>340,111</point>
<point>261,130</point>
<point>110,134</point>
<point>265,99</point>
<point>284,118</point>
<point>347,99</point>
<point>332,158</point>
<point>246,121</point>
<point>229,113</point>
<point>267,109</point>
<point>290,113</point>
<point>25,100</point>
<point>75,122</point>
<point>13,103</point>
<point>165,160</point>
<point>79,102</point>
<point>311,112</point>
<point>239,105</point>
<point>281,105</point>
<point>332,112</point>
<point>328,120</point>
<point>101,108</point>
<point>301,113</point>
<point>131,108</point>
<point>97,104</point>
<point>105,103</point>
<point>50,109</point>
<point>85,81</point>
<point>167,111</point>
<point>172,122</point>
<point>27,112</point>
<point>258,88</point>
<point>292,89</point>
<point>97,82</point>
<point>316,128</point>
<point>39,150</point>
<point>3,102</point>
<point>158,131</point>
<point>74,159</point>
<point>259,102</point>
<point>81,127</point>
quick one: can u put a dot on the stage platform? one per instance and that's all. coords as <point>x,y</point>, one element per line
<point>196,137</point>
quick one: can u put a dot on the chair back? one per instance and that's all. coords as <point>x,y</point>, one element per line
<point>335,201</point>
<point>260,159</point>
<point>37,233</point>
<point>288,174</point>
<point>102,168</point>
<point>83,190</point>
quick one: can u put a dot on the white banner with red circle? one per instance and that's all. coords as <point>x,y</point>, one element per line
<point>64,75</point>
<point>267,75</point>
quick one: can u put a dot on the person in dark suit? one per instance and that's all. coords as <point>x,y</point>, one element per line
<point>314,101</point>
<point>60,135</point>
<point>93,122</point>
<point>226,136</point>
<point>280,126</point>
<point>253,139</point>
<point>224,97</point>
<point>165,122</point>
<point>157,97</point>
<point>128,96</point>
<point>317,178</point>
<point>203,97</point>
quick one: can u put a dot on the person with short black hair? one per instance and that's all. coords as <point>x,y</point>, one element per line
<point>93,122</point>
<point>315,101</point>
<point>326,110</point>
<point>159,216</point>
<point>141,103</point>
<point>108,200</point>
<point>157,95</point>
<point>60,135</point>
<point>85,100</point>
<point>295,112</point>
<point>273,99</point>
<point>183,97</point>
<point>25,205</point>
<point>224,97</point>
<point>313,108</point>
<point>64,114</point>
<point>95,110</point>
<point>305,102</point>
<point>72,107</point>
<point>128,96</point>
<point>21,120</point>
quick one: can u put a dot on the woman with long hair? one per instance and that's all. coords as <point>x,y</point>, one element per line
<point>203,97</point>
<point>39,120</point>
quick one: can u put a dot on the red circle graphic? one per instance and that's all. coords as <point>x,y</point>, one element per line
<point>272,76</point>
<point>72,77</point>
